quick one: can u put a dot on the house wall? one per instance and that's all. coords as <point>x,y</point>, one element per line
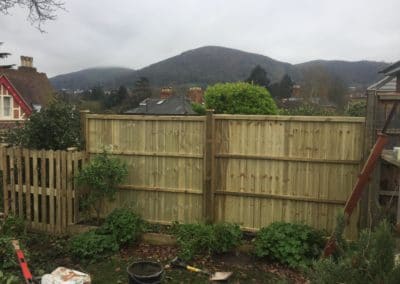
<point>14,112</point>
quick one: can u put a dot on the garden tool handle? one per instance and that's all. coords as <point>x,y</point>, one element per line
<point>198,270</point>
<point>193,269</point>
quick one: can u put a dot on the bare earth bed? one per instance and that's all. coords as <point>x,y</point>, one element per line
<point>47,253</point>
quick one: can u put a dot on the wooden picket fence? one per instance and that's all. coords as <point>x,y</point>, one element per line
<point>38,186</point>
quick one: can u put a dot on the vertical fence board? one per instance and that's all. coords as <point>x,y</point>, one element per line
<point>64,217</point>
<point>58,192</point>
<point>5,182</point>
<point>27,183</point>
<point>35,189</point>
<point>12,180</point>
<point>51,191</point>
<point>69,180</point>
<point>18,157</point>
<point>43,187</point>
<point>75,188</point>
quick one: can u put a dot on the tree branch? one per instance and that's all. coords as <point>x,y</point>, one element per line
<point>40,11</point>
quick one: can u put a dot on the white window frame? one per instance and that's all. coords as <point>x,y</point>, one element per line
<point>2,105</point>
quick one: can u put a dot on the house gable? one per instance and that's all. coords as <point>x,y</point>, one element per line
<point>19,109</point>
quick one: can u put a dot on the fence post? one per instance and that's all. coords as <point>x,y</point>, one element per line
<point>3,168</point>
<point>209,185</point>
<point>84,135</point>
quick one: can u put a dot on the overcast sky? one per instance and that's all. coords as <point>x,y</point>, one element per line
<point>135,34</point>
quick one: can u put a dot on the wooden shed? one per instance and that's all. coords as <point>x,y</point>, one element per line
<point>383,197</point>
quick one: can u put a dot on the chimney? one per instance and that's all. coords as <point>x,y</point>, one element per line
<point>296,91</point>
<point>26,61</point>
<point>196,95</point>
<point>166,93</point>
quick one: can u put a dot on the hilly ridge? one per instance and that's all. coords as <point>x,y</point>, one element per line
<point>87,78</point>
<point>211,64</point>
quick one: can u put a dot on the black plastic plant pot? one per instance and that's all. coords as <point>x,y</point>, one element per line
<point>145,272</point>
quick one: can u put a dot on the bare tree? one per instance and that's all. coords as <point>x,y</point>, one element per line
<point>40,11</point>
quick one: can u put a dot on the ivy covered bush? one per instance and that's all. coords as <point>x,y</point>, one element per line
<point>195,239</point>
<point>295,245</point>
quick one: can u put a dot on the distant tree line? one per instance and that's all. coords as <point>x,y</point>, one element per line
<point>317,84</point>
<point>97,99</point>
<point>278,90</point>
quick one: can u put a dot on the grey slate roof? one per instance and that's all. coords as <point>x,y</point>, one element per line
<point>170,106</point>
<point>387,84</point>
<point>392,69</point>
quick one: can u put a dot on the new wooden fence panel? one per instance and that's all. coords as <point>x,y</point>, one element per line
<point>38,186</point>
<point>260,168</point>
<point>294,169</point>
<point>164,156</point>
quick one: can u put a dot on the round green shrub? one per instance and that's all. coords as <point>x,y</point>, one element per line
<point>239,98</point>
<point>195,239</point>
<point>125,225</point>
<point>293,244</point>
<point>226,237</point>
<point>91,245</point>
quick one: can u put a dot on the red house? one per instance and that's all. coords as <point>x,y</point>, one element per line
<point>22,91</point>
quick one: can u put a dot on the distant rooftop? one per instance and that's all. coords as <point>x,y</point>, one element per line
<point>392,70</point>
<point>174,105</point>
<point>387,85</point>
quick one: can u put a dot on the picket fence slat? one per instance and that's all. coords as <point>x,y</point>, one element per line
<point>58,185</point>
<point>12,180</point>
<point>52,190</point>
<point>5,174</point>
<point>26,155</point>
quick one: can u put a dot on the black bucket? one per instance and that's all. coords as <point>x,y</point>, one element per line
<point>145,272</point>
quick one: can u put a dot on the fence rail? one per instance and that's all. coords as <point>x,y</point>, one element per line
<point>38,186</point>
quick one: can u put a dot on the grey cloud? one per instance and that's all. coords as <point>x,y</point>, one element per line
<point>137,33</point>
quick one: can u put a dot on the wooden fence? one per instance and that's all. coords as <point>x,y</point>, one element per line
<point>251,170</point>
<point>39,187</point>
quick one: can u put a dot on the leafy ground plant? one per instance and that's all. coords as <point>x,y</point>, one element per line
<point>8,259</point>
<point>91,245</point>
<point>10,228</point>
<point>121,227</point>
<point>13,226</point>
<point>195,239</point>
<point>293,244</point>
<point>125,225</point>
<point>226,237</point>
<point>368,260</point>
<point>101,176</point>
<point>6,278</point>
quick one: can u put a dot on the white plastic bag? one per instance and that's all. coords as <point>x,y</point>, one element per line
<point>64,275</point>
